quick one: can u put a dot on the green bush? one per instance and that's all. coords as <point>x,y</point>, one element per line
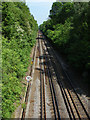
<point>19,31</point>
<point>68,29</point>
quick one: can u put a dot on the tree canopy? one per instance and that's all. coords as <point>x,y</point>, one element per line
<point>19,31</point>
<point>68,30</point>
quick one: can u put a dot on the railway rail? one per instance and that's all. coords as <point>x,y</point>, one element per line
<point>52,90</point>
<point>48,109</point>
<point>50,72</point>
<point>74,105</point>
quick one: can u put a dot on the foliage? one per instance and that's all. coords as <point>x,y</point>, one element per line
<point>24,105</point>
<point>68,29</point>
<point>19,30</point>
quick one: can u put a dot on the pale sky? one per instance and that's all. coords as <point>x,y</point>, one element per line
<point>40,10</point>
<point>40,0</point>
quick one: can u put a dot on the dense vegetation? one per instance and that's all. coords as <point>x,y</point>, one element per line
<point>19,30</point>
<point>68,30</point>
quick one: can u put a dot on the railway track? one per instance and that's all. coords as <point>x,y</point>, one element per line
<point>73,103</point>
<point>44,105</point>
<point>47,73</point>
<point>42,85</point>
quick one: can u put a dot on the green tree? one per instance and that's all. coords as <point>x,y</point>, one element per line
<point>19,31</point>
<point>68,29</point>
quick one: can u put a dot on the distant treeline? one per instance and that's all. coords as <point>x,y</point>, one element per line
<point>68,30</point>
<point>19,30</point>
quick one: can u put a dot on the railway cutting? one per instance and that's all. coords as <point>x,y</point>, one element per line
<point>51,92</point>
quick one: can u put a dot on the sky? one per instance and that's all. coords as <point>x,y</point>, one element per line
<point>40,9</point>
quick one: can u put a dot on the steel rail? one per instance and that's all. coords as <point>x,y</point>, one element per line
<point>77,96</point>
<point>51,92</point>
<point>62,87</point>
<point>63,93</point>
<point>51,84</point>
<point>41,117</point>
<point>42,83</point>
<point>43,80</point>
<point>74,104</point>
<point>69,80</point>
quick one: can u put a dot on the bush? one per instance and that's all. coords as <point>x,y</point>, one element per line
<point>19,31</point>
